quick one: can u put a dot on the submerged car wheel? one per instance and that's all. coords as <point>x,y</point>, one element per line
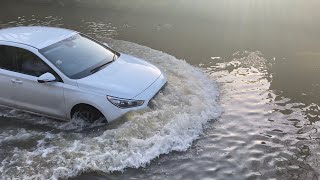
<point>87,113</point>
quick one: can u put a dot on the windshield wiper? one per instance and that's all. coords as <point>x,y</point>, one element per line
<point>100,67</point>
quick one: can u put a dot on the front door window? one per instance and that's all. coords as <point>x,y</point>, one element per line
<point>7,58</point>
<point>29,63</point>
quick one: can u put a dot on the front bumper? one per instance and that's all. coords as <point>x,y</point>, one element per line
<point>146,95</point>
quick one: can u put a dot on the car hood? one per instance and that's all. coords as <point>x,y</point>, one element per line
<point>126,77</point>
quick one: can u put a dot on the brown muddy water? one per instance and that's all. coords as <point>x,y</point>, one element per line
<point>242,100</point>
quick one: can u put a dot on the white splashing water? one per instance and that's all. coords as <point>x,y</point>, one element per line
<point>188,102</point>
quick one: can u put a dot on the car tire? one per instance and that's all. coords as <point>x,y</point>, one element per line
<point>87,113</point>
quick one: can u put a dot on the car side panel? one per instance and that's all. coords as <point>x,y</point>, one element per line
<point>46,99</point>
<point>6,88</point>
<point>43,98</point>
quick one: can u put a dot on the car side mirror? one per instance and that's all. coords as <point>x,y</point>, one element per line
<point>46,77</point>
<point>106,44</point>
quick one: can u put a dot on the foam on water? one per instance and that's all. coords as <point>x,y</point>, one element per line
<point>179,114</point>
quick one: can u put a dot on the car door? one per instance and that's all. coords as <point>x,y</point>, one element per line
<point>7,74</point>
<point>29,94</point>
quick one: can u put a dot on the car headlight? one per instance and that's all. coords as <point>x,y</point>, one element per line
<point>125,103</point>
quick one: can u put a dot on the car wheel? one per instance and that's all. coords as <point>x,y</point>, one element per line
<point>88,114</point>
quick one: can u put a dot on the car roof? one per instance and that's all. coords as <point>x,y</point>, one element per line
<point>36,36</point>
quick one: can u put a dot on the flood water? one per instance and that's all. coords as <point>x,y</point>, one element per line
<point>242,101</point>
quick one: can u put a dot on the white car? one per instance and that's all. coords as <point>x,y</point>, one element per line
<point>62,73</point>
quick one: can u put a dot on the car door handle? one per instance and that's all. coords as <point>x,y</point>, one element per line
<point>16,81</point>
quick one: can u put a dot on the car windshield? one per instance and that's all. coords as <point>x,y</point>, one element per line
<point>78,56</point>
